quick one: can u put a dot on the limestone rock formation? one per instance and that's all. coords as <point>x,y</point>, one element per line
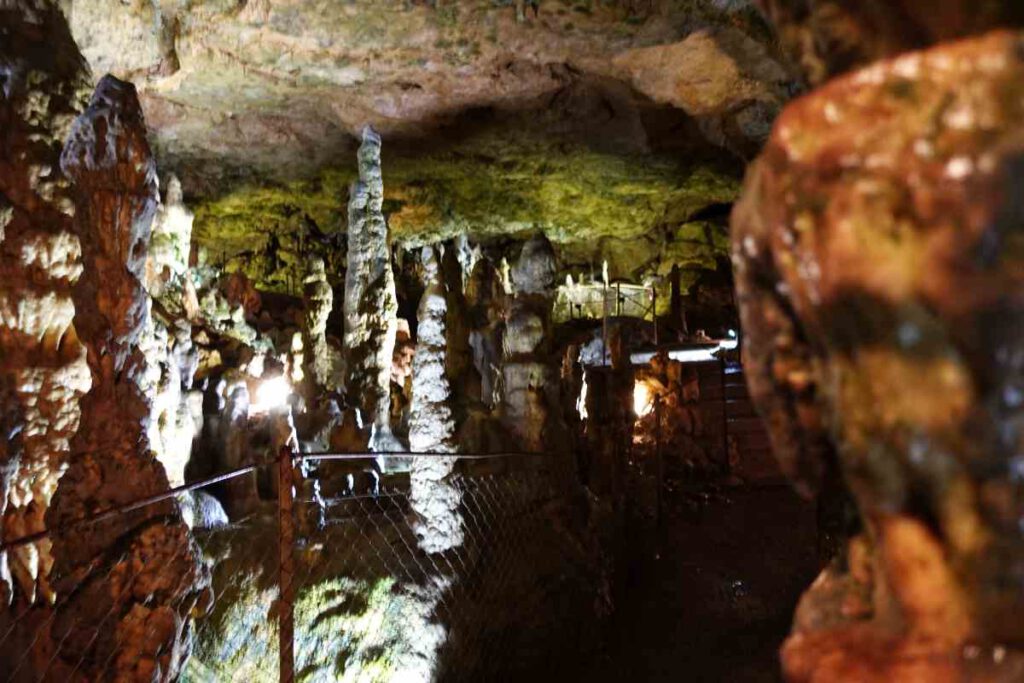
<point>371,307</point>
<point>485,299</point>
<point>880,271</point>
<point>280,89</point>
<point>42,363</point>
<point>725,78</point>
<point>318,297</point>
<point>431,427</point>
<point>135,578</point>
<point>526,372</point>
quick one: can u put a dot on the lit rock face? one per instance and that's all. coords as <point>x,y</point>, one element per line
<point>42,364</point>
<point>319,299</point>
<point>526,374</point>
<point>171,358</point>
<point>128,614</point>
<point>282,88</point>
<point>431,427</point>
<point>723,77</point>
<point>371,306</point>
<point>880,270</point>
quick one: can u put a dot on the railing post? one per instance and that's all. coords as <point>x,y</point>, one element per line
<point>654,312</point>
<point>659,463</point>
<point>286,607</point>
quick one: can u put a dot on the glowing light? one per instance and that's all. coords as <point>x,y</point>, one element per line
<point>581,402</point>
<point>643,401</point>
<point>271,395</point>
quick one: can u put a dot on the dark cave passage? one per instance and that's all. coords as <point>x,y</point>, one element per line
<point>713,591</point>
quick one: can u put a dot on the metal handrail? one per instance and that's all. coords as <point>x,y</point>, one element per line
<point>134,505</point>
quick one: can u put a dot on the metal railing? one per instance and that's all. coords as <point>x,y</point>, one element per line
<point>333,582</point>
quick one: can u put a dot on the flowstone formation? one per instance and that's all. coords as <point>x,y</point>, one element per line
<point>371,306</point>
<point>130,583</point>
<point>43,371</point>
<point>880,268</point>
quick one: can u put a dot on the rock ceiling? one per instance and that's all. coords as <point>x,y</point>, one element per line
<point>591,121</point>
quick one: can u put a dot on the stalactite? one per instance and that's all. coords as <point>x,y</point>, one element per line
<point>141,596</point>
<point>371,306</point>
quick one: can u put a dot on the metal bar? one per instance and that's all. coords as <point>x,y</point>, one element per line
<point>604,341</point>
<point>374,456</point>
<point>128,507</point>
<point>230,474</point>
<point>285,602</point>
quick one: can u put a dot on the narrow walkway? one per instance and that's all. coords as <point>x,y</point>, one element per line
<point>713,600</point>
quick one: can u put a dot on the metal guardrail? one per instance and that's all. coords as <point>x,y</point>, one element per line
<point>380,543</point>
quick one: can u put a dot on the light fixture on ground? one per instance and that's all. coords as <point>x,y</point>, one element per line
<point>643,399</point>
<point>271,394</point>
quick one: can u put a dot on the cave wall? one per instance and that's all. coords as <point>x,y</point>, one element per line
<point>42,362</point>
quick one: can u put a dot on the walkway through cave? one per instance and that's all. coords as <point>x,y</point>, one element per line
<point>709,596</point>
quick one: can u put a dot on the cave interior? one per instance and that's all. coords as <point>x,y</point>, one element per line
<point>525,340</point>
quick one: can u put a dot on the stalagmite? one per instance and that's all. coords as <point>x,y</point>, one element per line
<point>42,364</point>
<point>319,299</point>
<point>879,273</point>
<point>141,597</point>
<point>371,306</point>
<point>526,373</point>
<point>431,426</point>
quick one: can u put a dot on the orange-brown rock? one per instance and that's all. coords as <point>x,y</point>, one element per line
<point>879,253</point>
<point>129,585</point>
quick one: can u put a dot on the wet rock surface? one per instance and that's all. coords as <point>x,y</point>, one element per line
<point>879,263</point>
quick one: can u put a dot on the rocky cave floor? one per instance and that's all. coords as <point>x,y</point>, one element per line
<point>709,595</point>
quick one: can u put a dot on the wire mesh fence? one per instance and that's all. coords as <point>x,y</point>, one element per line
<point>370,573</point>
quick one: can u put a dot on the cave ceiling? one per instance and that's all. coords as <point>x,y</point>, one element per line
<point>608,125</point>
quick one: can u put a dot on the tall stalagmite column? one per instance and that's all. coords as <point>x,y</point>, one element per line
<point>371,306</point>
<point>43,373</point>
<point>318,298</point>
<point>131,582</point>
<point>526,373</point>
<point>431,425</point>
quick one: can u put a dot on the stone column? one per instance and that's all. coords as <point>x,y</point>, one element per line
<point>318,298</point>
<point>526,372</point>
<point>130,582</point>
<point>371,306</point>
<point>431,425</point>
<point>42,363</point>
